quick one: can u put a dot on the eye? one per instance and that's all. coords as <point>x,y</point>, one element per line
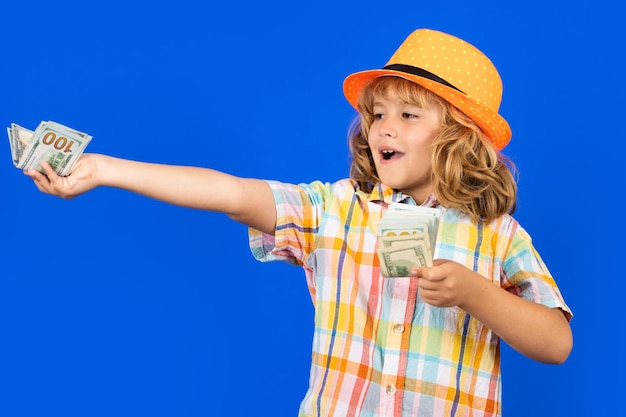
<point>378,116</point>
<point>409,116</point>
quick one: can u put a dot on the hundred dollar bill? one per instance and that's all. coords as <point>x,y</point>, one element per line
<point>415,216</point>
<point>10,133</point>
<point>406,238</point>
<point>19,138</point>
<point>51,142</point>
<point>398,227</point>
<point>398,254</point>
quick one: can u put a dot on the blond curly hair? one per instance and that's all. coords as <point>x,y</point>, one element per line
<point>468,173</point>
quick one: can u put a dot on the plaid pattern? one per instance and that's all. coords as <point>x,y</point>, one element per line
<point>378,349</point>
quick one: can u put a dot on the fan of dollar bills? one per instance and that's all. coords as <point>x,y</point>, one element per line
<point>51,142</point>
<point>406,238</point>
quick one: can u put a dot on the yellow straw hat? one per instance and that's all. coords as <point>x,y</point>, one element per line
<point>451,68</point>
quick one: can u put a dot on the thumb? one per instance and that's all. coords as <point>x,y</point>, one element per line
<point>416,272</point>
<point>50,173</point>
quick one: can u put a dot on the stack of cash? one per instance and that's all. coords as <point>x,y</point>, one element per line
<point>51,142</point>
<point>406,238</point>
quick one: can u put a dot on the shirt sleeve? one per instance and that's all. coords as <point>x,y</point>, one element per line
<point>528,276</point>
<point>299,210</point>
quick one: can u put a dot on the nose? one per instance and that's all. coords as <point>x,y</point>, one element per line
<point>388,127</point>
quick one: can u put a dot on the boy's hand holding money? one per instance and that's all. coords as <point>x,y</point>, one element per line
<point>82,178</point>
<point>447,283</point>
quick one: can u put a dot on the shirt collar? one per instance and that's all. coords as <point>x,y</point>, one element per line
<point>387,195</point>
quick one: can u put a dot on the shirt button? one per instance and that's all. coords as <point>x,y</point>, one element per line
<point>398,328</point>
<point>391,389</point>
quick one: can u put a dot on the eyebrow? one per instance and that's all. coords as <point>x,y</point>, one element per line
<point>404,103</point>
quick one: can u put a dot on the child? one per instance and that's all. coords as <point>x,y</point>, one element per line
<point>428,134</point>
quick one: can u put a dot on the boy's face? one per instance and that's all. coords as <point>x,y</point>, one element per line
<point>400,139</point>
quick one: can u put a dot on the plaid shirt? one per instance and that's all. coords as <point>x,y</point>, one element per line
<point>378,349</point>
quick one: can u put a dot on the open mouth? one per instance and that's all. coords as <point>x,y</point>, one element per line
<point>388,154</point>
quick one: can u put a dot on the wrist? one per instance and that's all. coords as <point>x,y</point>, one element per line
<point>475,293</point>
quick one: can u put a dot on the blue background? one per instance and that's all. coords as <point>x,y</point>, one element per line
<point>113,304</point>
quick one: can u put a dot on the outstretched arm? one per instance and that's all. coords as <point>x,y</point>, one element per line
<point>537,331</point>
<point>246,200</point>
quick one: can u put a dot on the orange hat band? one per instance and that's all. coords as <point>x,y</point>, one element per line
<point>420,72</point>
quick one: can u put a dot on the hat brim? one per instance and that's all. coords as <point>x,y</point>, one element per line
<point>490,122</point>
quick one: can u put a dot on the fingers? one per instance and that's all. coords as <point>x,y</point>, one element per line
<point>50,173</point>
<point>425,272</point>
<point>40,181</point>
<point>429,283</point>
<point>445,284</point>
<point>38,176</point>
<point>54,182</point>
<point>431,273</point>
<point>44,182</point>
